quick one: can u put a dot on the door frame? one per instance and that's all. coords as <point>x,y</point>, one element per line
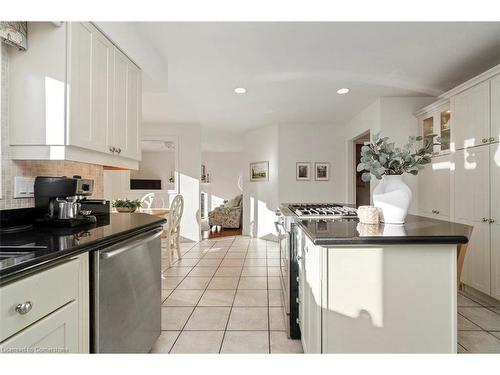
<point>351,167</point>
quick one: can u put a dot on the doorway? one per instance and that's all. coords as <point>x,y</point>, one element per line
<point>361,188</point>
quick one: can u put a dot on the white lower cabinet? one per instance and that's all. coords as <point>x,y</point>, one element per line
<point>47,311</point>
<point>56,333</point>
<point>310,300</point>
<point>477,203</point>
<point>434,188</point>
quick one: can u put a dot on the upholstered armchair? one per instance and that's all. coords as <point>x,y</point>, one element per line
<point>227,215</point>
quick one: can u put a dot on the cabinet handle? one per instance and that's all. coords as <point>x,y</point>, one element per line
<point>485,140</point>
<point>24,308</point>
<point>492,139</point>
<point>484,220</point>
<point>492,221</point>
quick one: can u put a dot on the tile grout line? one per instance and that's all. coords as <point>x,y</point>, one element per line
<point>234,298</point>
<point>189,317</point>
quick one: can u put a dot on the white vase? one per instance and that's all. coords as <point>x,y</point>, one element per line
<point>393,197</point>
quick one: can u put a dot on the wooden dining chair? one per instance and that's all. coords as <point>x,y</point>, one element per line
<point>171,233</point>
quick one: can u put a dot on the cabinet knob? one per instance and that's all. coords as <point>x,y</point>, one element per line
<point>112,149</point>
<point>484,220</point>
<point>24,308</point>
<point>437,212</point>
<point>485,140</point>
<point>492,221</point>
<point>299,258</point>
<point>492,139</point>
<point>119,150</point>
<point>297,300</point>
<point>298,279</point>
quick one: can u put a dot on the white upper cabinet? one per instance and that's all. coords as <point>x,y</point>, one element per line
<point>86,100</point>
<point>124,131</point>
<point>435,121</point>
<point>495,108</point>
<point>471,116</point>
<point>91,88</point>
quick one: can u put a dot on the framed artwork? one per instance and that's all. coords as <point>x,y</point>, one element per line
<point>303,171</point>
<point>259,171</point>
<point>321,171</point>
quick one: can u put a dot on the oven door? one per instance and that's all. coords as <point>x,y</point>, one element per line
<point>284,243</point>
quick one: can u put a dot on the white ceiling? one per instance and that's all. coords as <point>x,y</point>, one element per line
<point>292,70</point>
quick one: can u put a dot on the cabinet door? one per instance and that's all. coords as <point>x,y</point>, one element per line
<point>495,108</point>
<point>118,134</point>
<point>56,333</point>
<point>127,107</point>
<point>425,192</point>
<point>134,112</point>
<point>311,333</point>
<point>91,87</point>
<point>495,216</point>
<point>472,207</point>
<point>440,186</point>
<point>471,116</point>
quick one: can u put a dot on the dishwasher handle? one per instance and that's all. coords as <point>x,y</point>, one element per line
<point>131,245</point>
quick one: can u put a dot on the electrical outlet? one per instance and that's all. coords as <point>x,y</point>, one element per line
<point>24,187</point>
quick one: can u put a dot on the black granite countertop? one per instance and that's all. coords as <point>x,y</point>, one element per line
<point>416,230</point>
<point>43,245</point>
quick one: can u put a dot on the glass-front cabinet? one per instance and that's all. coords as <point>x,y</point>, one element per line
<point>436,121</point>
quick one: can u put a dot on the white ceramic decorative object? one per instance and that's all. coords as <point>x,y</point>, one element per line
<point>393,197</point>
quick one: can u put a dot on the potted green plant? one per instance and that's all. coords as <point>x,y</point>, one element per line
<point>388,163</point>
<point>126,205</point>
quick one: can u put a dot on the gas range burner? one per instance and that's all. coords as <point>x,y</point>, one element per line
<point>323,210</point>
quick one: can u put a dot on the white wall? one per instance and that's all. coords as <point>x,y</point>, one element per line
<point>226,174</point>
<point>189,136</point>
<point>260,199</point>
<point>393,116</point>
<point>156,165</point>
<point>311,143</point>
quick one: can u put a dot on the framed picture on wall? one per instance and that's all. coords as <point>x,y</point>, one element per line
<point>259,171</point>
<point>321,171</point>
<point>303,171</point>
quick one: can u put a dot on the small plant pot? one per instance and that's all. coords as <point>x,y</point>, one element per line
<point>126,209</point>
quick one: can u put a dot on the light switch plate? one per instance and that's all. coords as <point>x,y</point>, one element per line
<point>24,187</point>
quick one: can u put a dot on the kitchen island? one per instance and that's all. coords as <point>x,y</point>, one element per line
<point>379,288</point>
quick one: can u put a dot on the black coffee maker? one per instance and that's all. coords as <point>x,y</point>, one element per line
<point>58,200</point>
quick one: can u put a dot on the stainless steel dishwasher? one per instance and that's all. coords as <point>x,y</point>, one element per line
<point>126,292</point>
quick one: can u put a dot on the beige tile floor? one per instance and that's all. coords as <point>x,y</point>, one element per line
<point>223,296</point>
<point>478,324</point>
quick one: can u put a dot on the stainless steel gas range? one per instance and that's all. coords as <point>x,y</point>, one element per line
<point>288,216</point>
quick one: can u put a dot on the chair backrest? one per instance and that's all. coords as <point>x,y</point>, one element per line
<point>175,214</point>
<point>149,199</point>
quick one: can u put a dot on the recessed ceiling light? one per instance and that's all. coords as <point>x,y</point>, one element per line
<point>240,90</point>
<point>343,91</point>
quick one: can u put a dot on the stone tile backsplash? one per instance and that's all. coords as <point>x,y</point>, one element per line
<point>31,168</point>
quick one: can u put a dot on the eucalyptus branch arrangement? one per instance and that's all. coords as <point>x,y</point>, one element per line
<point>381,157</point>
